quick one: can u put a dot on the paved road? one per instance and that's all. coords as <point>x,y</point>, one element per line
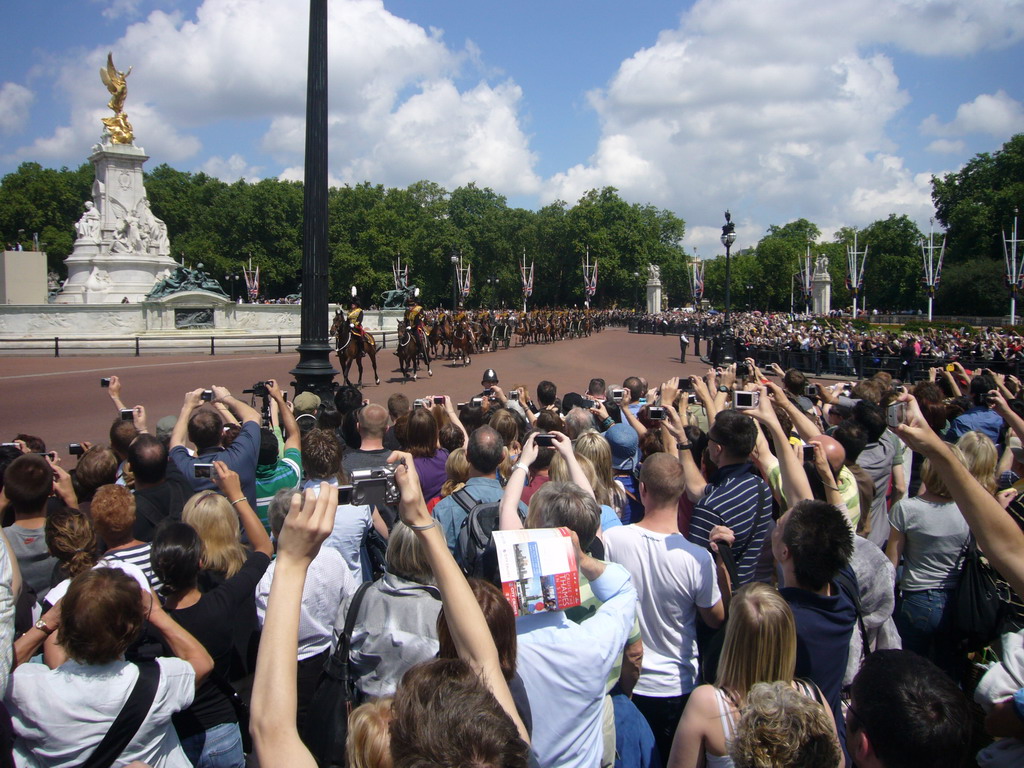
<point>60,399</point>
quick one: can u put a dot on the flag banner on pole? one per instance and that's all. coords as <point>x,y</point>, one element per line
<point>527,279</point>
<point>252,282</point>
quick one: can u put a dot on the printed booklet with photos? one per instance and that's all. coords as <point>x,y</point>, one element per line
<point>538,569</point>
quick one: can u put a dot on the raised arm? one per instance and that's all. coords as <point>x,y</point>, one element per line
<point>694,480</point>
<point>453,417</point>
<point>794,482</point>
<point>243,411</point>
<point>508,508</point>
<point>804,426</point>
<point>292,435</point>
<point>997,534</point>
<point>193,400</point>
<point>227,481</point>
<point>469,630</point>
<point>114,390</point>
<point>274,693</point>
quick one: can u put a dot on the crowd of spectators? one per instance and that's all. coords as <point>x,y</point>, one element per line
<point>836,345</point>
<point>767,568</point>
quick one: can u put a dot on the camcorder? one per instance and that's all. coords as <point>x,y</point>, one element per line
<point>262,390</point>
<point>373,486</point>
<point>259,389</point>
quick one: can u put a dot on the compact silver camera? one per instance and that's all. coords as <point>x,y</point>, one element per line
<point>375,486</point>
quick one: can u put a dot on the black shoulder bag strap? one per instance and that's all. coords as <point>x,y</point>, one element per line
<point>129,719</point>
<point>460,496</point>
<point>339,660</point>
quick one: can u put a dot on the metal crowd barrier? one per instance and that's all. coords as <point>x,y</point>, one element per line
<point>154,344</point>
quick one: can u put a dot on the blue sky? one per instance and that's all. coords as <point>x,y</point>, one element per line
<point>837,112</point>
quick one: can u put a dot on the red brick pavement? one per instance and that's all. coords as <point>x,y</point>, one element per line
<point>60,399</point>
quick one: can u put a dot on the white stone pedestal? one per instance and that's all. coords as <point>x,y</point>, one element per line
<point>23,277</point>
<point>653,296</point>
<point>121,252</point>
<point>821,293</point>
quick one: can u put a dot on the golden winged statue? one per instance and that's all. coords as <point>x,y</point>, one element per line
<point>118,127</point>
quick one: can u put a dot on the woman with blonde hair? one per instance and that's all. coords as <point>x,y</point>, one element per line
<point>607,491</point>
<point>560,471</point>
<point>928,534</point>
<point>760,646</point>
<point>369,737</point>
<point>980,457</point>
<point>214,519</point>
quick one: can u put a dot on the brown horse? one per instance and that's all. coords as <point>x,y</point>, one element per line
<point>409,351</point>
<point>350,347</point>
<point>463,342</point>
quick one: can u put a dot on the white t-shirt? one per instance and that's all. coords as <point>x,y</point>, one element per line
<point>57,593</point>
<point>61,715</point>
<point>672,577</point>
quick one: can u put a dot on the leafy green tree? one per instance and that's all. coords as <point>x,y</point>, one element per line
<point>893,271</point>
<point>977,205</point>
<point>47,202</point>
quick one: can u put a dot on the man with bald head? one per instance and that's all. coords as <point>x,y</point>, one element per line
<point>845,482</point>
<point>371,424</point>
<point>484,451</point>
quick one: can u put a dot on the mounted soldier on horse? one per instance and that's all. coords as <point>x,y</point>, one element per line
<point>412,339</point>
<point>352,341</point>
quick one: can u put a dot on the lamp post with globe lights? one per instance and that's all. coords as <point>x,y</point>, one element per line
<point>726,348</point>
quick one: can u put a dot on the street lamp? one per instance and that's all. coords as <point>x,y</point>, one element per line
<point>231,280</point>
<point>750,289</point>
<point>726,348</point>
<point>636,290</point>
<point>492,284</point>
<point>455,280</point>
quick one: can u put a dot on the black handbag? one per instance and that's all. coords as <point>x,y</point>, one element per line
<point>239,705</point>
<point>326,728</point>
<point>977,609</point>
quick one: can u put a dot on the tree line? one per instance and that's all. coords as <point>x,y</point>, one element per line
<point>224,226</point>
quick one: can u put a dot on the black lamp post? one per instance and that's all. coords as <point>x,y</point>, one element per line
<point>492,283</point>
<point>750,290</point>
<point>455,281</point>
<point>314,372</point>
<point>231,280</point>
<point>636,290</point>
<point>726,347</point>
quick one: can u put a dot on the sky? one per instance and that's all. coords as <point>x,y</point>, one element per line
<point>838,112</point>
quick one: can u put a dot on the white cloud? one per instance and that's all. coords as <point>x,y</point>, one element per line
<point>231,169</point>
<point>117,8</point>
<point>946,147</point>
<point>996,114</point>
<point>749,105</point>
<point>396,114</point>
<point>15,101</point>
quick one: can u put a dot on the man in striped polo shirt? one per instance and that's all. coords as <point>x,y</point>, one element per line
<point>734,495</point>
